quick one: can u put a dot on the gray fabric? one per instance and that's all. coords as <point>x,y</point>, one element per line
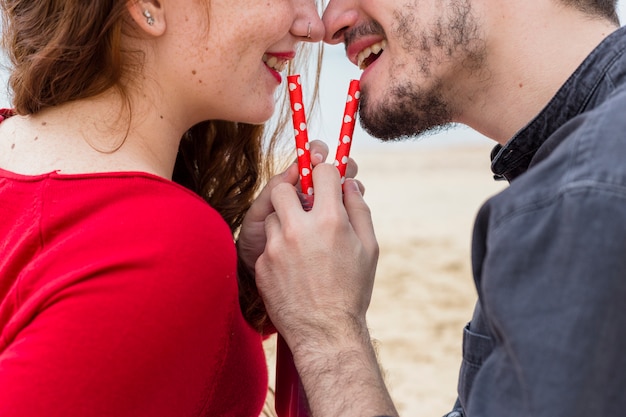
<point>549,258</point>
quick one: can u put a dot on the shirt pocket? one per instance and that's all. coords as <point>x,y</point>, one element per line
<point>476,348</point>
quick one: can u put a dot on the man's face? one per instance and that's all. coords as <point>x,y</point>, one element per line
<point>418,57</point>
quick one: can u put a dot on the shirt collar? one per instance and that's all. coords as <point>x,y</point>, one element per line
<point>514,158</point>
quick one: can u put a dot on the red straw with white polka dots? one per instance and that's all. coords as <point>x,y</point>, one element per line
<point>347,128</point>
<point>290,399</point>
<point>301,133</point>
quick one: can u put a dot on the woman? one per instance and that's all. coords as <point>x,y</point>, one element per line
<point>118,288</point>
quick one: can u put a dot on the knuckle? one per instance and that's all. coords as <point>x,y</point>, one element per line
<point>272,252</point>
<point>319,146</point>
<point>281,189</point>
<point>291,233</point>
<point>325,168</point>
<point>331,220</point>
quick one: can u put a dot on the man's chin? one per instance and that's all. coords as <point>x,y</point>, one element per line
<point>385,135</point>
<point>404,119</point>
<point>393,130</point>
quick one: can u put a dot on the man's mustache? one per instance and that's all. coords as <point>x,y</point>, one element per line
<point>368,28</point>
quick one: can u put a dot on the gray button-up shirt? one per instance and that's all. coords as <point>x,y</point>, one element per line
<point>548,336</point>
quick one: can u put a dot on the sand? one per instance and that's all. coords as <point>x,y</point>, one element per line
<point>423,203</point>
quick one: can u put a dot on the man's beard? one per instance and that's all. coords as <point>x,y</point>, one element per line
<point>405,113</point>
<point>408,108</point>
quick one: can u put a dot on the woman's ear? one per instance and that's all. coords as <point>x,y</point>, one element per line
<point>149,15</point>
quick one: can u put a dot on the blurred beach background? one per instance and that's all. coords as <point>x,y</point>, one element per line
<point>424,194</point>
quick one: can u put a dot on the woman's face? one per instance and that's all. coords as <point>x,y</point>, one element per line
<point>228,66</point>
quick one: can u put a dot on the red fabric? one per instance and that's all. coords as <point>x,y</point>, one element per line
<point>5,114</point>
<point>119,298</point>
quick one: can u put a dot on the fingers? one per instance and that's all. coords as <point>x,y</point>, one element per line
<point>251,241</point>
<point>263,204</point>
<point>272,225</point>
<point>359,214</point>
<point>325,176</point>
<point>327,186</point>
<point>285,200</point>
<point>319,151</point>
<point>320,263</point>
<point>361,186</point>
<point>352,168</point>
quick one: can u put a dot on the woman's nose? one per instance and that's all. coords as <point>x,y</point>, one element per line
<point>308,25</point>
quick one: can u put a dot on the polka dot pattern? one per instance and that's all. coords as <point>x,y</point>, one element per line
<point>347,128</point>
<point>300,133</point>
<point>289,383</point>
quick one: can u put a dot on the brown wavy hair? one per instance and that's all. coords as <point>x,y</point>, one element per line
<point>66,50</point>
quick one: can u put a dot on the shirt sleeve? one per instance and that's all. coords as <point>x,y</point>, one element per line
<point>552,284</point>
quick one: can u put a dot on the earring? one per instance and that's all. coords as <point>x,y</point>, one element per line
<point>149,18</point>
<point>308,32</point>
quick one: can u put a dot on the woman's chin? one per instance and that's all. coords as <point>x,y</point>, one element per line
<point>258,117</point>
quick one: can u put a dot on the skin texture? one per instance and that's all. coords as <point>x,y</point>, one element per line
<point>251,244</point>
<point>218,71</point>
<point>188,55</point>
<point>487,64</point>
<point>333,272</point>
<point>178,87</point>
<point>418,93</point>
<point>199,64</point>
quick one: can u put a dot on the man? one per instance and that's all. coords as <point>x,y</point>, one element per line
<point>546,79</point>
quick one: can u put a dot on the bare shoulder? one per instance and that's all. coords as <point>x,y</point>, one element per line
<point>30,146</point>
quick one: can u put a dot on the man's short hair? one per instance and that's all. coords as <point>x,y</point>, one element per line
<point>599,8</point>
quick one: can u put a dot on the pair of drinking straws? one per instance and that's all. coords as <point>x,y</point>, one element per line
<point>290,399</point>
<point>301,133</point>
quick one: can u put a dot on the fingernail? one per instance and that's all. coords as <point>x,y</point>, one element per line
<point>318,157</point>
<point>351,185</point>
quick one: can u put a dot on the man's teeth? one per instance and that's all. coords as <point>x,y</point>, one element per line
<point>372,49</point>
<point>275,63</point>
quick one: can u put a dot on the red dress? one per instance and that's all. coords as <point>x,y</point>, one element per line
<point>118,297</point>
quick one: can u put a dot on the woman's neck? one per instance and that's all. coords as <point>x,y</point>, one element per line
<point>91,135</point>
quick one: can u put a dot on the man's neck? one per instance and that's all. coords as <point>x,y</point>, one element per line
<point>533,48</point>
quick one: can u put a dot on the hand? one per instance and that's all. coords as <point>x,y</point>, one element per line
<point>317,271</point>
<point>316,277</point>
<point>251,241</point>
